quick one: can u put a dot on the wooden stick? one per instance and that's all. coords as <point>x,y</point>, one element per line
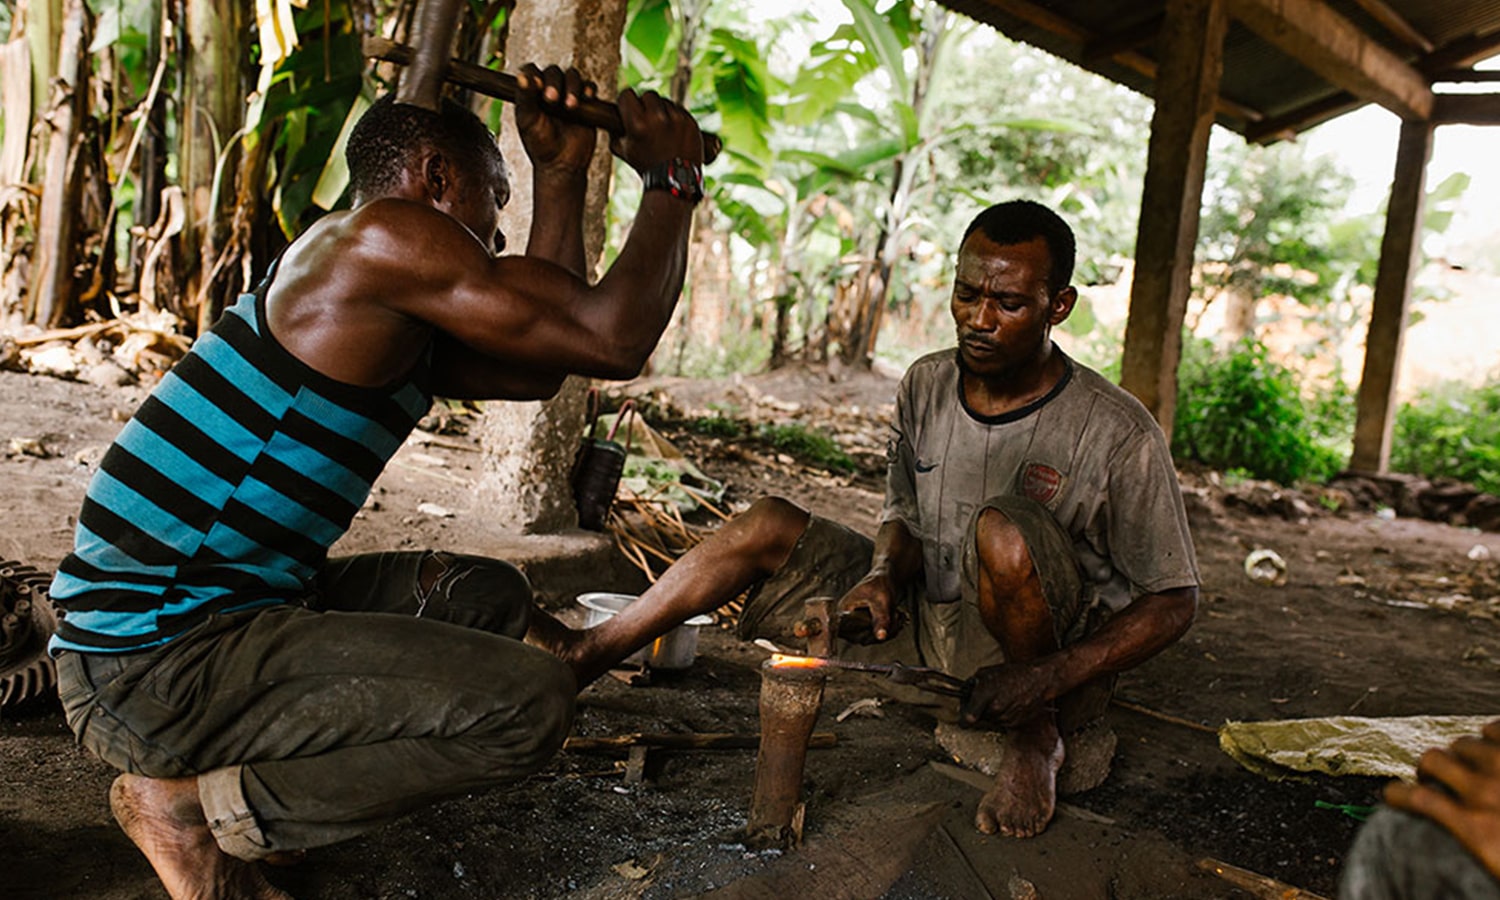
<point>820,740</point>
<point>1147,711</point>
<point>1259,885</point>
<point>70,334</point>
<point>601,114</point>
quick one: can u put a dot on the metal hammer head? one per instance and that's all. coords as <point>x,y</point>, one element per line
<point>817,626</point>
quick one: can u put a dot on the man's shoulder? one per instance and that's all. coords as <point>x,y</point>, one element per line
<point>1118,405</point>
<point>937,366</point>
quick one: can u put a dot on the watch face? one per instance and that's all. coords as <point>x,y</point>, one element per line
<point>687,180</point>
<point>679,177</point>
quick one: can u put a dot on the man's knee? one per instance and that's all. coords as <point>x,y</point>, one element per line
<point>541,701</point>
<point>477,592</point>
<point>1001,548</point>
<point>773,526</point>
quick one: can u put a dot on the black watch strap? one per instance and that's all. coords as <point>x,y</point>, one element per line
<point>680,177</point>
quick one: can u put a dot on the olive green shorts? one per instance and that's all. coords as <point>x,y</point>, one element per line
<point>830,559</point>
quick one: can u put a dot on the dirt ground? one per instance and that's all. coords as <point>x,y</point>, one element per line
<point>884,817</point>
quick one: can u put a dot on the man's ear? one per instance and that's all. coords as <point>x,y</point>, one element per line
<point>1062,305</point>
<point>435,176</point>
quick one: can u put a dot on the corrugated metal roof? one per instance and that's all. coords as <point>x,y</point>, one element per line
<point>1265,92</point>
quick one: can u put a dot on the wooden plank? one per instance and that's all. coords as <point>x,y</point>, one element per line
<point>1192,47</point>
<point>1375,403</point>
<point>1335,48</point>
<point>1396,24</point>
<point>1467,109</point>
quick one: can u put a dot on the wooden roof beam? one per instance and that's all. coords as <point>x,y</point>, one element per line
<point>1465,76</point>
<point>1039,16</point>
<point>1396,24</point>
<point>1335,48</point>
<point>1287,125</point>
<point>1466,109</point>
<point>1461,54</point>
<point>1111,45</point>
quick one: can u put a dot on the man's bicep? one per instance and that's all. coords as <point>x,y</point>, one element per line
<point>462,373</point>
<point>525,312</point>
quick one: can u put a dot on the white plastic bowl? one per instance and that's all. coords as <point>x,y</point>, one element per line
<point>674,650</point>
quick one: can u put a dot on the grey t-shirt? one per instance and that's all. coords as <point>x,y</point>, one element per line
<point>1088,451</point>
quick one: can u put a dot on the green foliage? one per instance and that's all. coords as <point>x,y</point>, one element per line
<point>304,112</point>
<point>717,425</point>
<point>807,444</point>
<point>1451,431</point>
<point>736,351</point>
<point>1268,215</point>
<point>1018,123</point>
<point>1241,410</point>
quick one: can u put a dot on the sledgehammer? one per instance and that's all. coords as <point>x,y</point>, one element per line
<point>601,114</point>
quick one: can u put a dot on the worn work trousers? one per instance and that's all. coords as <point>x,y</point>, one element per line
<point>1401,856</point>
<point>309,724</point>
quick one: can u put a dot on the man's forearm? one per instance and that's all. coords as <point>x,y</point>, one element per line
<point>1140,631</point>
<point>557,221</point>
<point>898,554</point>
<point>646,278</point>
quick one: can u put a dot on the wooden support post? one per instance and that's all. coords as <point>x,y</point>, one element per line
<point>1398,257</point>
<point>1192,41</point>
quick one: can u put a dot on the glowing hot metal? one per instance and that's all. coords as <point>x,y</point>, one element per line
<point>934,680</point>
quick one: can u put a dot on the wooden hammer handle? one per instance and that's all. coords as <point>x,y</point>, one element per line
<point>601,114</point>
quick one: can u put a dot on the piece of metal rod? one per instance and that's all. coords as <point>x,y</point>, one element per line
<point>789,702</point>
<point>601,114</point>
<point>934,680</point>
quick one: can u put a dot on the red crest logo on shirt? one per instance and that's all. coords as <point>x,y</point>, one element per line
<point>1040,482</point>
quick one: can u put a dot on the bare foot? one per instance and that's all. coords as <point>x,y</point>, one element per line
<point>165,820</point>
<point>1025,793</point>
<point>551,635</point>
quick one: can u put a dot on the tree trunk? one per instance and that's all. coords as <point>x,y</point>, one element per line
<point>52,297</point>
<point>874,285</point>
<point>16,203</point>
<point>1239,314</point>
<point>213,111</point>
<point>151,171</point>
<point>529,447</point>
<point>43,22</point>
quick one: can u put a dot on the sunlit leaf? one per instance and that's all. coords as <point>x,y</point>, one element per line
<point>740,85</point>
<point>107,29</point>
<point>650,31</point>
<point>880,38</point>
<point>335,175</point>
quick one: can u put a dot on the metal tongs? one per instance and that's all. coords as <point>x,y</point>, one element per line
<point>934,680</point>
<point>920,677</point>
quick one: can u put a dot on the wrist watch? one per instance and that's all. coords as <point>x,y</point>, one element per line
<point>679,177</point>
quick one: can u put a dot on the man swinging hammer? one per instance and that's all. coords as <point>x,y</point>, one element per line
<point>259,697</point>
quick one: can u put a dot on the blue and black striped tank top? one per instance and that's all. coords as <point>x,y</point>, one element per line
<point>225,490</point>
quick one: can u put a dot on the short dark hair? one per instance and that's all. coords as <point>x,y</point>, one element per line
<point>387,137</point>
<point>1019,221</point>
